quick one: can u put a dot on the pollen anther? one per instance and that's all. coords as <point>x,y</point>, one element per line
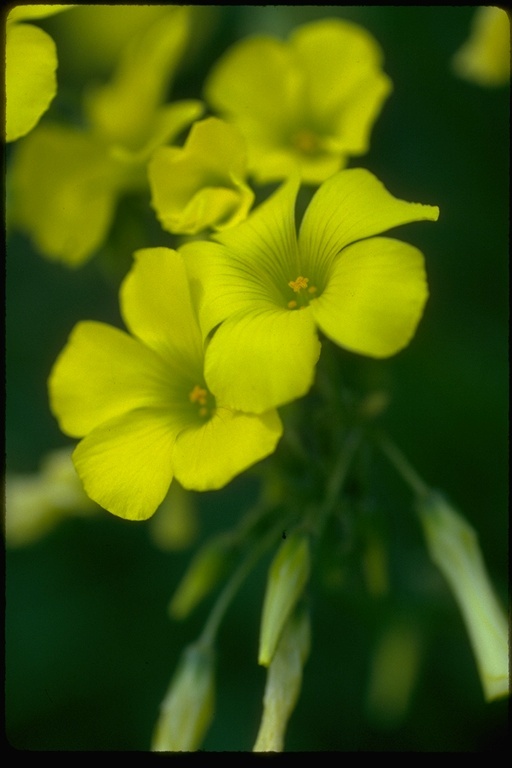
<point>299,283</point>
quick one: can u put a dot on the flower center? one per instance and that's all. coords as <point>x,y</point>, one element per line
<point>303,292</point>
<point>305,141</point>
<point>204,401</point>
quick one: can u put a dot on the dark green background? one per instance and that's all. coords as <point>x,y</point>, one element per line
<point>89,648</point>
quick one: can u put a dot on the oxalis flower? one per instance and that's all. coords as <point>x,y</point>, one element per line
<point>142,404</point>
<point>265,291</point>
<point>306,104</point>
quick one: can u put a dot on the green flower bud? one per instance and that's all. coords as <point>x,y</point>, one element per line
<point>204,572</point>
<point>453,546</point>
<point>284,678</point>
<point>187,710</point>
<point>287,576</point>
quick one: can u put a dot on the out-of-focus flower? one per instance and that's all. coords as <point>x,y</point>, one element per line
<point>187,710</point>
<point>266,292</point>
<point>36,503</point>
<point>142,404</point>
<point>287,576</point>
<point>284,680</point>
<point>66,181</point>
<point>201,185</point>
<point>307,104</point>
<point>453,546</point>
<point>484,58</point>
<point>30,67</point>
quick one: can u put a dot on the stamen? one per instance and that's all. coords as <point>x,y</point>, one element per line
<point>305,141</point>
<point>198,395</point>
<point>299,283</point>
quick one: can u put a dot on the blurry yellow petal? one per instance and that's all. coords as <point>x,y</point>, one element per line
<point>284,679</point>
<point>102,373</point>
<point>187,710</point>
<point>30,81</point>
<point>485,58</point>
<point>263,359</point>
<point>287,577</point>
<point>125,464</point>
<point>64,192</point>
<point>122,111</point>
<point>21,12</point>
<point>202,184</point>
<point>156,307</point>
<point>350,206</point>
<point>209,456</point>
<point>374,298</point>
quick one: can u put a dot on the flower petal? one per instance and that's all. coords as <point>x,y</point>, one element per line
<point>343,80</point>
<point>125,464</point>
<point>207,457</point>
<point>350,206</point>
<point>256,84</point>
<point>123,110</point>
<point>103,373</point>
<point>30,81</point>
<point>374,298</point>
<point>252,269</point>
<point>262,359</point>
<point>156,307</point>
<point>202,184</point>
<point>64,192</point>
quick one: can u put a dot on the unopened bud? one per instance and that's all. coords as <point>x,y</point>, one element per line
<point>187,710</point>
<point>453,546</point>
<point>204,572</point>
<point>284,680</point>
<point>287,576</point>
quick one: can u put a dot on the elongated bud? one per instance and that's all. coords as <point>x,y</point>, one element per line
<point>203,574</point>
<point>187,710</point>
<point>287,576</point>
<point>284,680</point>
<point>453,546</point>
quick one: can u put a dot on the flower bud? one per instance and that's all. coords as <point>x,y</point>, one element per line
<point>187,710</point>
<point>286,579</point>
<point>284,678</point>
<point>453,546</point>
<point>205,571</point>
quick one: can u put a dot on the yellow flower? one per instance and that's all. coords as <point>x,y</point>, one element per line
<point>264,292</point>
<point>307,104</point>
<point>30,66</point>
<point>142,403</point>
<point>201,185</point>
<point>66,181</point>
<point>484,58</point>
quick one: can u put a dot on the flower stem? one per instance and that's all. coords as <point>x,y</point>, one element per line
<point>403,466</point>
<point>214,620</point>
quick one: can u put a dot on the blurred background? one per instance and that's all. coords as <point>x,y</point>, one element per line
<point>90,649</point>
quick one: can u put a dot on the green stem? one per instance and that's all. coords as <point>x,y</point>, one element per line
<point>214,620</point>
<point>403,466</point>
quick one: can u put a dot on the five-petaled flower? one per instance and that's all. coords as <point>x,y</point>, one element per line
<point>262,292</point>
<point>142,403</point>
<point>307,104</point>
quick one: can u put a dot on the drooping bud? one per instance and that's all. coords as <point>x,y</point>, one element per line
<point>203,574</point>
<point>284,679</point>
<point>453,546</point>
<point>187,710</point>
<point>287,576</point>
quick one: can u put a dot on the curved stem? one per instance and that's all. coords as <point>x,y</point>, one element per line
<point>403,466</point>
